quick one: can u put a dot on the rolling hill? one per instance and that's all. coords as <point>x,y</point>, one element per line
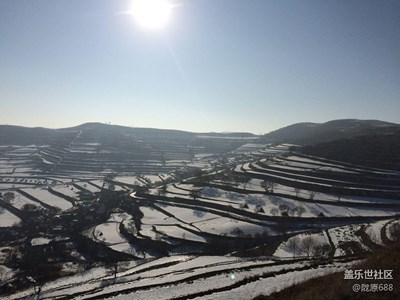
<point>314,133</point>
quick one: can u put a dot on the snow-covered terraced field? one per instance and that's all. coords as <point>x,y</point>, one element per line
<point>231,227</point>
<point>85,186</point>
<point>7,219</point>
<point>327,181</point>
<point>251,222</point>
<point>301,245</point>
<point>267,286</point>
<point>45,196</point>
<point>374,231</point>
<point>389,227</point>
<point>295,163</point>
<point>67,190</point>
<point>126,179</point>
<point>20,201</point>
<point>98,183</point>
<point>188,275</point>
<point>179,233</point>
<point>271,203</point>
<point>154,216</point>
<point>346,241</point>
<point>108,232</point>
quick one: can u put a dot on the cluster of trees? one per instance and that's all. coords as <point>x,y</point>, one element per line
<point>187,172</point>
<point>284,210</point>
<point>260,236</point>
<point>36,270</point>
<point>115,267</point>
<point>29,207</point>
<point>228,177</point>
<point>196,193</point>
<point>308,247</point>
<point>8,197</point>
<point>144,179</point>
<point>268,186</point>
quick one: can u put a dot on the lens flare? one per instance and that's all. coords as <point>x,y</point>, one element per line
<point>152,14</point>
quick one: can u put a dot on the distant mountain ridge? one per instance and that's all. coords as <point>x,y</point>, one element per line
<point>19,135</point>
<point>99,147</point>
<point>306,133</point>
<point>313,133</point>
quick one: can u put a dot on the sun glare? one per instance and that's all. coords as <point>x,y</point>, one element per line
<point>152,14</point>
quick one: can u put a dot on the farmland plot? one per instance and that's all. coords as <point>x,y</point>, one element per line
<point>231,227</point>
<point>153,216</point>
<point>108,233</point>
<point>214,281</point>
<point>374,231</point>
<point>7,219</point>
<point>178,233</point>
<point>87,186</point>
<point>45,196</point>
<point>230,211</point>
<point>67,190</point>
<point>346,241</point>
<point>202,221</point>
<point>21,202</point>
<point>302,245</point>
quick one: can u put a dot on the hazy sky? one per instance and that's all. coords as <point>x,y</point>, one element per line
<point>219,65</point>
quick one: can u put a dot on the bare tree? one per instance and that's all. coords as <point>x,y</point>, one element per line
<point>292,245</point>
<point>268,185</point>
<point>117,266</point>
<point>297,191</point>
<point>299,211</point>
<point>274,211</point>
<point>237,232</point>
<point>195,193</point>
<point>307,245</point>
<point>311,194</point>
<point>147,180</point>
<point>338,191</point>
<point>284,209</point>
<point>243,179</point>
<point>321,251</point>
<point>37,286</point>
<point>38,272</point>
<point>162,190</point>
<point>3,275</point>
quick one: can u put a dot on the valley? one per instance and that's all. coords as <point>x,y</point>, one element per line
<point>108,212</point>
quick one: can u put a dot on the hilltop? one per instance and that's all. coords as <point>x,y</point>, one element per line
<point>313,133</point>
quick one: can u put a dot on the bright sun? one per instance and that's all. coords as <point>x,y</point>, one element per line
<point>152,14</point>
